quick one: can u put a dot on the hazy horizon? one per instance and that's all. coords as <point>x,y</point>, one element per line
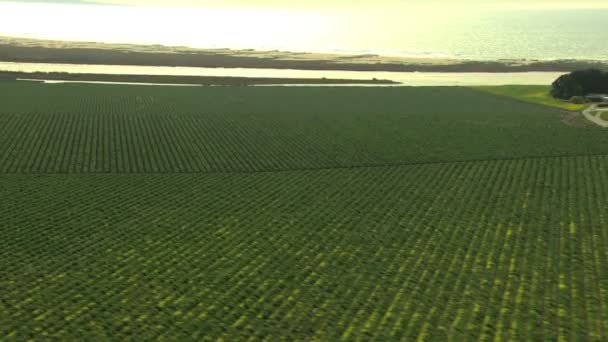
<point>340,4</point>
<point>538,29</point>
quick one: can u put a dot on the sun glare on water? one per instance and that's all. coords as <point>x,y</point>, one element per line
<point>196,27</point>
<point>263,28</point>
<point>405,29</point>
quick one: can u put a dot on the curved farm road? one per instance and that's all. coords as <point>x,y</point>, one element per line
<point>592,115</point>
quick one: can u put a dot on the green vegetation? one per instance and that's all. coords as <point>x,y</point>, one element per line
<point>580,83</point>
<point>155,213</point>
<point>533,93</point>
<point>604,115</point>
<point>72,128</point>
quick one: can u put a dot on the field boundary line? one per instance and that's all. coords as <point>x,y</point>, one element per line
<point>328,168</point>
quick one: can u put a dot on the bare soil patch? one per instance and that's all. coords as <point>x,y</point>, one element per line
<point>574,119</point>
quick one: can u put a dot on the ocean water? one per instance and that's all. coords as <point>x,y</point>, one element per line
<point>495,35</point>
<point>435,32</point>
<point>558,34</point>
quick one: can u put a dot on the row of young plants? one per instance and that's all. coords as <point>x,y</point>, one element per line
<point>504,250</point>
<point>127,129</point>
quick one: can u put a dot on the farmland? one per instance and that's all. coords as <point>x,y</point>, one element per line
<point>124,129</point>
<point>138,213</point>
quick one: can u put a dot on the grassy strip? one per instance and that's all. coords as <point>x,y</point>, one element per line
<point>532,93</point>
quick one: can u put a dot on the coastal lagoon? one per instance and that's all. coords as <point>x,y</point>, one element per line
<point>405,78</point>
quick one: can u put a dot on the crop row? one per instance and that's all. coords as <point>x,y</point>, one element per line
<point>505,250</point>
<point>126,129</point>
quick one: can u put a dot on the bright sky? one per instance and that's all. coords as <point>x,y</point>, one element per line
<point>344,4</point>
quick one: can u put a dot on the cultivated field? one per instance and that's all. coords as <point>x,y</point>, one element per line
<point>144,213</point>
<point>128,129</point>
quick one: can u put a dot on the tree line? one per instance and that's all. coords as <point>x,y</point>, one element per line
<point>580,83</point>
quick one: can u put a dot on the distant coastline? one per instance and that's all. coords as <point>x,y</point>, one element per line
<point>47,51</point>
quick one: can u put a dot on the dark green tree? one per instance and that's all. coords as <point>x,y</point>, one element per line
<point>580,83</point>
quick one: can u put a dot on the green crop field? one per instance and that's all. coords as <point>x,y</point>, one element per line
<point>121,129</point>
<point>241,213</point>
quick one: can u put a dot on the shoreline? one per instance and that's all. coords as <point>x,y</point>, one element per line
<point>22,50</point>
